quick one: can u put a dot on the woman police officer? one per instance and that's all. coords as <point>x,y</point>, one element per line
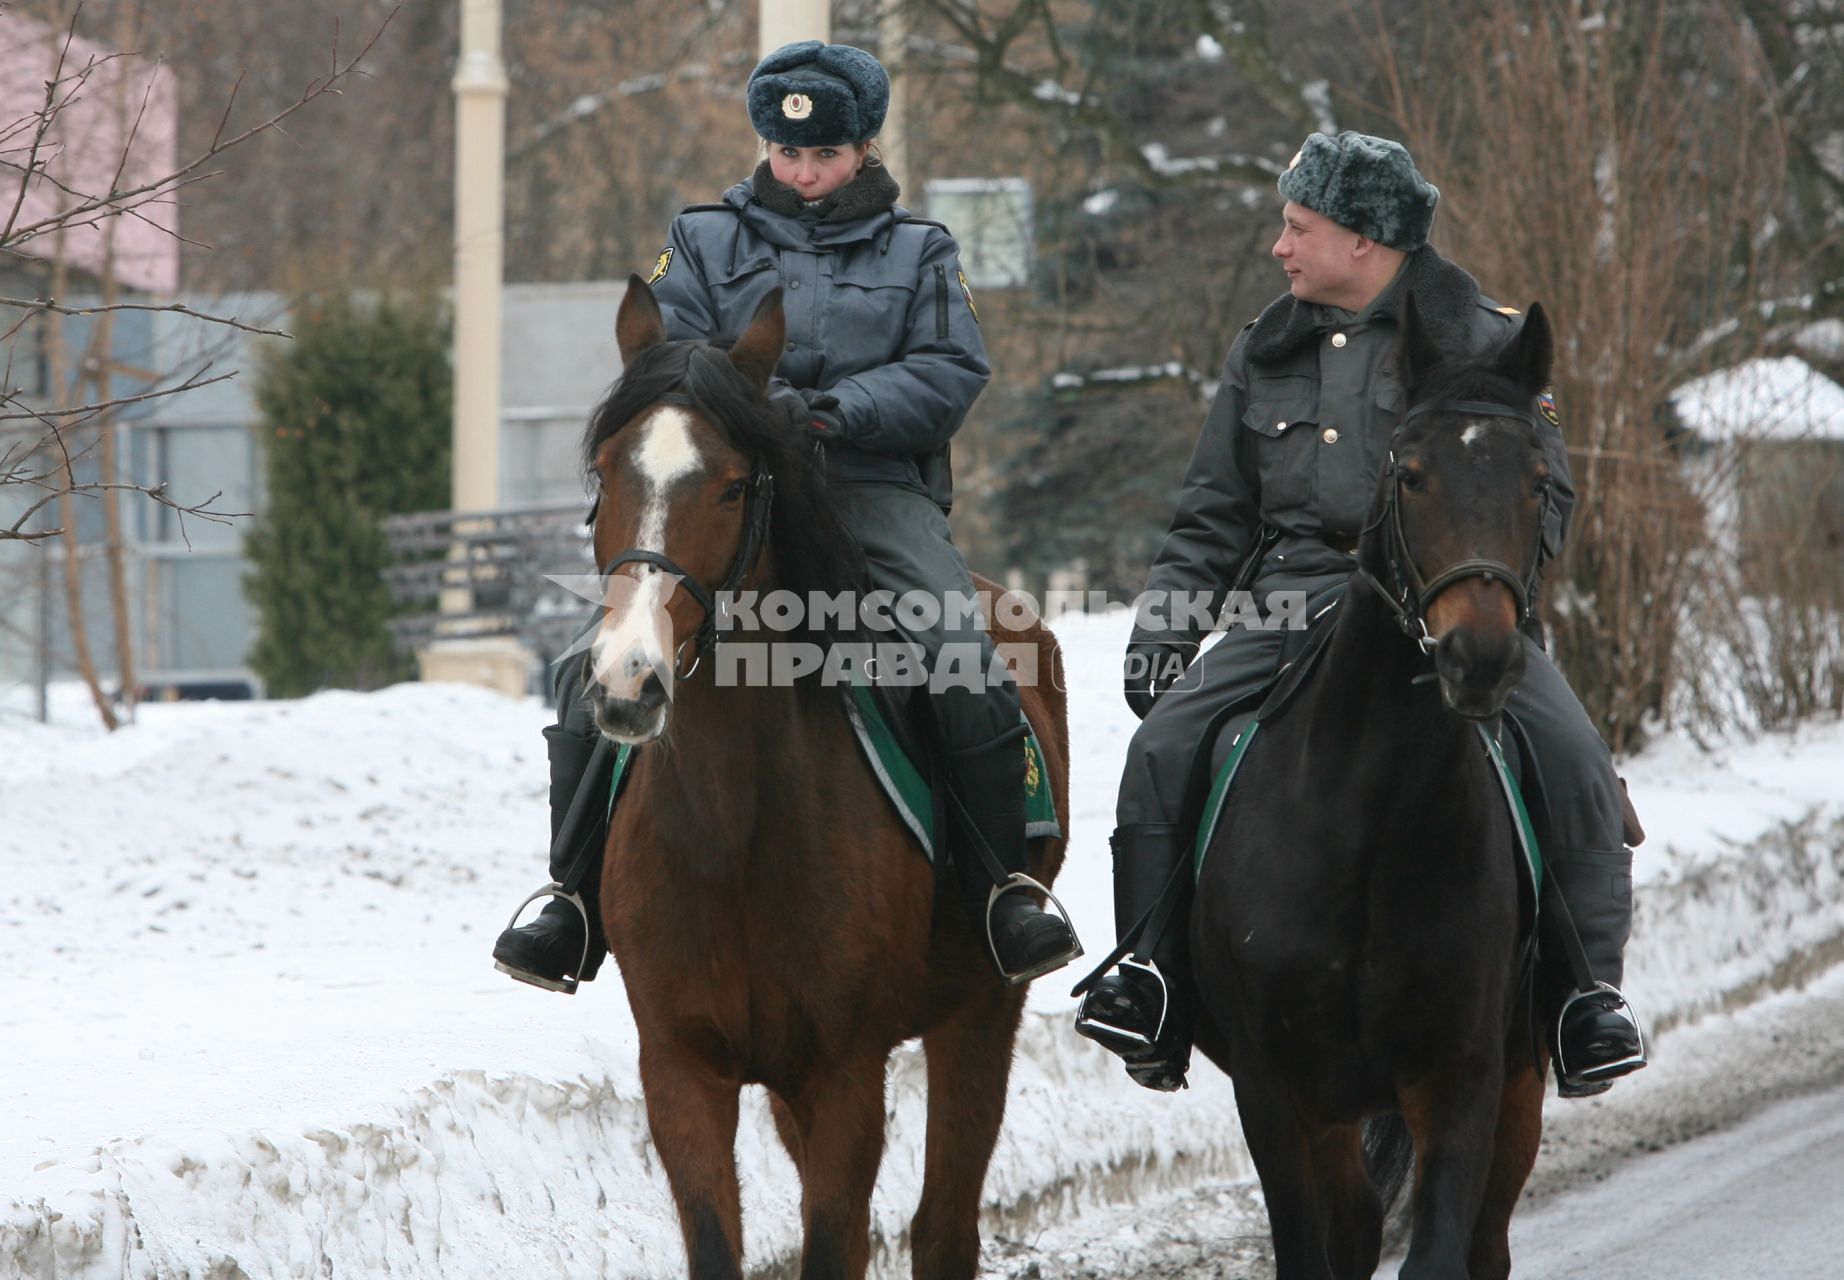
<point>883,361</point>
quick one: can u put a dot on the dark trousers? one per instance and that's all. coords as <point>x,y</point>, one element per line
<point>1581,839</point>
<point>908,548</point>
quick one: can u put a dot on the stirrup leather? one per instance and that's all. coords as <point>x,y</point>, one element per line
<point>565,985</point>
<point>1606,1071</point>
<point>1021,883</point>
<point>1127,1033</point>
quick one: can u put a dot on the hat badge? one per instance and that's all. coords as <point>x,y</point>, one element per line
<point>1295,162</point>
<point>797,106</point>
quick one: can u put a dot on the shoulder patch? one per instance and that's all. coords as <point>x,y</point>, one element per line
<point>1546,405</point>
<point>967,293</point>
<point>662,266</point>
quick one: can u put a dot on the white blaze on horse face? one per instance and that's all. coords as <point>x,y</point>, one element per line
<point>1472,435</point>
<point>636,638</point>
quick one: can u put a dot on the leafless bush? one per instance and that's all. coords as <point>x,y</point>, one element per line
<point>1613,162</point>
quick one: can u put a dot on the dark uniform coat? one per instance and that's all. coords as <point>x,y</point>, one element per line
<point>879,318</point>
<point>878,315</point>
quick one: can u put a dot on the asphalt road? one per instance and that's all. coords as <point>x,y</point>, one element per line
<point>1724,1160</point>
<point>1762,1200</point>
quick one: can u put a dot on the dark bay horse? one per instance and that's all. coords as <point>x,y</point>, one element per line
<point>1358,932</point>
<point>773,920</point>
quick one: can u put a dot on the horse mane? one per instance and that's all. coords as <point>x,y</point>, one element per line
<point>814,549</point>
<point>1478,378</point>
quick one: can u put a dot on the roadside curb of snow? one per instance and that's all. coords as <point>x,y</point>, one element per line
<point>482,1174</point>
<point>1766,916</point>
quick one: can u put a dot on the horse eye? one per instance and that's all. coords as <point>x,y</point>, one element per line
<point>1411,480</point>
<point>736,490</point>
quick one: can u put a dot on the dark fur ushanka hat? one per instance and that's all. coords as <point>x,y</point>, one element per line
<point>1369,185</point>
<point>812,94</point>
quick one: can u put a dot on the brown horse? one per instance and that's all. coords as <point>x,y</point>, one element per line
<point>774,921</point>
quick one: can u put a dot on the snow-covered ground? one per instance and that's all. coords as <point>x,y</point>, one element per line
<point>248,1024</point>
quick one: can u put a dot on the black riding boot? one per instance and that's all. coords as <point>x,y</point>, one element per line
<point>550,951</point>
<point>1597,1037</point>
<point>1026,941</point>
<point>1140,1011</point>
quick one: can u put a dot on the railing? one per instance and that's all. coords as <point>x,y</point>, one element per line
<point>494,566</point>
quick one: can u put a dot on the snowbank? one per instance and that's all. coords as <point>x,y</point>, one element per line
<point>1782,398</point>
<point>248,1025</point>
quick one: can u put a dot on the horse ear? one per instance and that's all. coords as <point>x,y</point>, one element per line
<point>1418,354</point>
<point>1527,360</point>
<point>638,324</point>
<point>758,351</point>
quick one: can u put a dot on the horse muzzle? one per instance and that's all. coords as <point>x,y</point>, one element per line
<point>1478,670</point>
<point>631,721</point>
<point>630,691</point>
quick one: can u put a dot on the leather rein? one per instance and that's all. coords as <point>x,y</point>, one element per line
<point>758,503</point>
<point>1413,591</point>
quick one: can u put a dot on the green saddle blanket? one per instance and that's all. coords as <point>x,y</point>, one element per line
<point>904,782</point>
<point>1532,860</point>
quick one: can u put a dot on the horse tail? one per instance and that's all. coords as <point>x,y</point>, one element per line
<point>1389,1153</point>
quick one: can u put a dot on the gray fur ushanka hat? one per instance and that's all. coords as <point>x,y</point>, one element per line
<point>1369,185</point>
<point>812,94</point>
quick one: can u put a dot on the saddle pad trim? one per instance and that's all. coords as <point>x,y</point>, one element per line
<point>1213,808</point>
<point>910,792</point>
<point>902,781</point>
<point>623,754</point>
<point>1514,800</point>
<point>1520,816</point>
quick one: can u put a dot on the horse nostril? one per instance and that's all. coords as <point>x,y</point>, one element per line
<point>652,693</point>
<point>1450,656</point>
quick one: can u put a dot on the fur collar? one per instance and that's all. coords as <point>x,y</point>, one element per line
<point>872,191</point>
<point>1445,296</point>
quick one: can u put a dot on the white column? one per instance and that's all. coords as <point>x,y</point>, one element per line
<point>495,662</point>
<point>785,21</point>
<point>893,34</point>
<point>480,144</point>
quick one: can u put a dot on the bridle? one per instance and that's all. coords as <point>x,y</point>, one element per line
<point>1410,591</point>
<point>758,502</point>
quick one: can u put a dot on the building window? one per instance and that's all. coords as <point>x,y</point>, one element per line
<point>991,218</point>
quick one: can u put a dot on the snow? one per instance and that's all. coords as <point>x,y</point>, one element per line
<point>1781,398</point>
<point>1209,48</point>
<point>250,1021</point>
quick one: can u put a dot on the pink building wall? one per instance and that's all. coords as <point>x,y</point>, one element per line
<point>84,148</point>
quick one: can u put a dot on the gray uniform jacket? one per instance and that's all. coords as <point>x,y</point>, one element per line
<point>1297,436</point>
<point>877,313</point>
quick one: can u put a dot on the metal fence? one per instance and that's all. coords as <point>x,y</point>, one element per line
<point>494,570</point>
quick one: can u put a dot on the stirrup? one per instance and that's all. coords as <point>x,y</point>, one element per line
<point>565,985</point>
<point>1582,1081</point>
<point>1132,1041</point>
<point>1021,883</point>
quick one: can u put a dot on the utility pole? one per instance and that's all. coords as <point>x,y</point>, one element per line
<point>892,37</point>
<point>480,150</point>
<point>497,662</point>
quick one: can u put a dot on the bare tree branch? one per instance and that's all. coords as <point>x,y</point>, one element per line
<point>117,202</point>
<point>48,304</point>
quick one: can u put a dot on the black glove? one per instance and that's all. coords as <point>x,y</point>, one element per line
<point>1150,668</point>
<point>823,414</point>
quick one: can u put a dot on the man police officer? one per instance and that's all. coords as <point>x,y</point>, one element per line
<point>1274,496</point>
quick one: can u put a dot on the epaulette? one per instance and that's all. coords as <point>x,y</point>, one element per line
<point>721,206</point>
<point>909,219</point>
